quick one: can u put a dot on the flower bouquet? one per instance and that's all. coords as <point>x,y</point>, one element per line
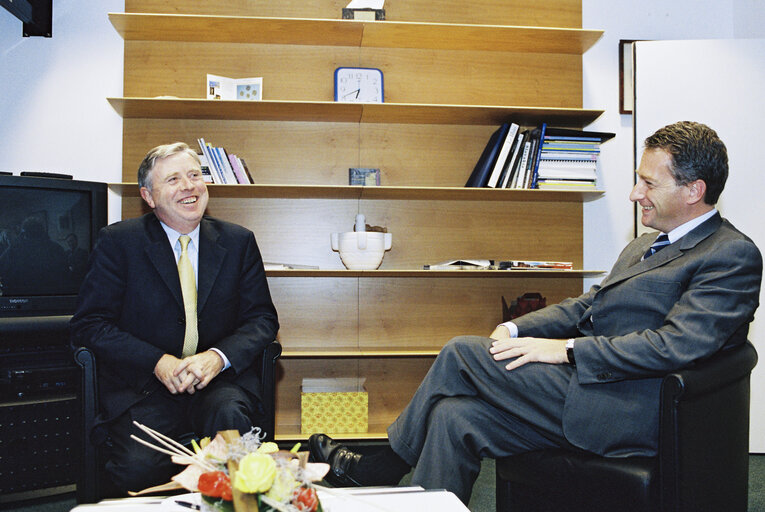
<point>236,473</point>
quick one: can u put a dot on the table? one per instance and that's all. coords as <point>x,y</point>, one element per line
<point>364,499</point>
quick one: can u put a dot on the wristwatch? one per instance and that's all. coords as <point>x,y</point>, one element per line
<point>570,352</point>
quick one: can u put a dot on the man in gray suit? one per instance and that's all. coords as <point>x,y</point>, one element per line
<point>585,373</point>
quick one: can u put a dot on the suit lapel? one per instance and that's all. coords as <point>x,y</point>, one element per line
<point>631,265</point>
<point>161,255</point>
<point>211,256</point>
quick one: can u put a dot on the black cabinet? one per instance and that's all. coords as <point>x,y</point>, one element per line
<point>39,408</point>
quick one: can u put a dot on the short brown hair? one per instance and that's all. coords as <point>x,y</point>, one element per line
<point>697,154</point>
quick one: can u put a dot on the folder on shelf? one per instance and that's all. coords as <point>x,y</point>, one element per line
<point>504,153</point>
<point>482,170</point>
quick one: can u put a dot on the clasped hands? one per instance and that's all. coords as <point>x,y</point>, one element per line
<point>526,350</point>
<point>189,374</point>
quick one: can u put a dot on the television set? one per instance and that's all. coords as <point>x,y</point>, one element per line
<point>48,227</point>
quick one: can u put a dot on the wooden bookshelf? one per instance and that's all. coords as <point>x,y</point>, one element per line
<point>449,81</point>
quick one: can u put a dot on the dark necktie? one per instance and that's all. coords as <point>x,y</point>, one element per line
<point>661,242</point>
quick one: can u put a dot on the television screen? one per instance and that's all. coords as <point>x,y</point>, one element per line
<point>47,229</point>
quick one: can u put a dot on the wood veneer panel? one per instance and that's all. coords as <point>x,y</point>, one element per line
<point>433,231</point>
<point>444,308</point>
<point>298,230</point>
<point>390,382</point>
<point>289,230</point>
<point>315,310</point>
<point>275,152</point>
<point>422,155</point>
<point>411,76</point>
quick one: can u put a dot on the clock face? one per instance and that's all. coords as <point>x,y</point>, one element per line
<point>359,85</point>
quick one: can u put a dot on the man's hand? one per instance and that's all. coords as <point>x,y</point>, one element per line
<point>529,350</point>
<point>196,372</point>
<point>165,372</point>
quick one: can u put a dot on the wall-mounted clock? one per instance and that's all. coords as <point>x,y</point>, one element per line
<point>359,85</point>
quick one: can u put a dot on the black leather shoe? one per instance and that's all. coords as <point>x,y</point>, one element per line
<point>341,460</point>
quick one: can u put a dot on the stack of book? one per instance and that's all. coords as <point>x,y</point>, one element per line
<point>542,157</point>
<point>568,159</point>
<point>220,167</point>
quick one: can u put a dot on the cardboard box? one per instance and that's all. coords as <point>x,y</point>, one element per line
<point>334,406</point>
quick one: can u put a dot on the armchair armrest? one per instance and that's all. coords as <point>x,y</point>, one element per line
<point>87,486</point>
<point>707,376</point>
<point>704,426</point>
<point>268,385</point>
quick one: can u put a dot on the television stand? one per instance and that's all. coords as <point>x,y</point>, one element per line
<point>39,409</point>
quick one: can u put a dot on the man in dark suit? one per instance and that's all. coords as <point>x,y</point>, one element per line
<point>176,307</point>
<point>585,373</point>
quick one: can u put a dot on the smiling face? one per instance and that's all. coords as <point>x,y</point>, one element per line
<point>178,192</point>
<point>664,204</point>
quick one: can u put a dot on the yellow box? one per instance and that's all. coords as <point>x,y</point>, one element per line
<point>334,412</point>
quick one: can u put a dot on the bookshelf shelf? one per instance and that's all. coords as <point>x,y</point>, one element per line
<point>332,32</point>
<point>336,112</point>
<point>381,193</point>
<point>376,432</point>
<point>359,352</point>
<point>437,274</point>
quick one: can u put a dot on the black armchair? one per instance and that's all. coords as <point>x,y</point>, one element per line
<point>90,485</point>
<point>703,460</point>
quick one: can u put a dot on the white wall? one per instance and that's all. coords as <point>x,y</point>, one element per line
<point>53,111</point>
<point>609,221</point>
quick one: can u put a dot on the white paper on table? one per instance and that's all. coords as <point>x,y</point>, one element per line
<point>392,499</point>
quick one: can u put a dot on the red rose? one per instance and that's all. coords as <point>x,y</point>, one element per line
<point>215,484</point>
<point>306,499</point>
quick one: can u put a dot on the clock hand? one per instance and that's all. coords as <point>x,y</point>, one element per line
<point>356,91</point>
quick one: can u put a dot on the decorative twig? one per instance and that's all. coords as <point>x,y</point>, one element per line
<point>174,449</point>
<point>170,443</point>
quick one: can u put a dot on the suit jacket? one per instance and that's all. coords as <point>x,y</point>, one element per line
<point>646,319</point>
<point>130,309</point>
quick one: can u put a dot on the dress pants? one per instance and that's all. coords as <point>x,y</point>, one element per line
<point>222,405</point>
<point>469,407</point>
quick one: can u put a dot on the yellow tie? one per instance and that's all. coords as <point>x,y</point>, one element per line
<point>189,290</point>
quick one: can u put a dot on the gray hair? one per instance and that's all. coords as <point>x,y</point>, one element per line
<point>163,151</point>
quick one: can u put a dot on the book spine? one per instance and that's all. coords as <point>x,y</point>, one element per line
<point>216,177</point>
<point>539,152</point>
<point>226,166</point>
<point>246,170</point>
<point>238,172</point>
<point>217,164</point>
<point>507,144</point>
